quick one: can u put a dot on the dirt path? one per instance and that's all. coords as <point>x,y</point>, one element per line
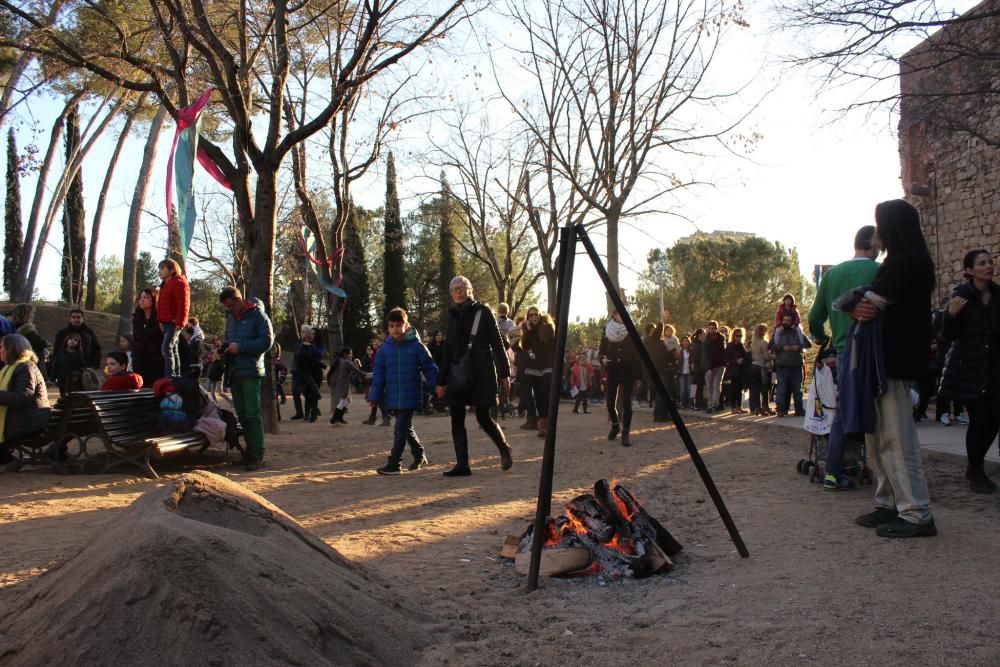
<point>817,589</point>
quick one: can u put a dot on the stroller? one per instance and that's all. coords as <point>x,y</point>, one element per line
<point>821,406</point>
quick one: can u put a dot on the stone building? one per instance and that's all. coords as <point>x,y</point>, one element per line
<point>949,139</point>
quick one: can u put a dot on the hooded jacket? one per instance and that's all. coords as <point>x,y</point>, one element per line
<point>252,331</point>
<point>398,367</point>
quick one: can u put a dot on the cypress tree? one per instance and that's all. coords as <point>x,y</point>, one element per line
<point>446,248</point>
<point>358,327</point>
<point>14,237</point>
<point>74,225</point>
<point>394,278</point>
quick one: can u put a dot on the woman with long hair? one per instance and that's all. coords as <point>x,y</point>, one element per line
<point>760,373</point>
<point>147,336</point>
<point>971,372</point>
<point>538,343</point>
<point>901,296</point>
<point>735,356</point>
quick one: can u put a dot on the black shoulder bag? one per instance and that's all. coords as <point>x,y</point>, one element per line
<point>460,376</point>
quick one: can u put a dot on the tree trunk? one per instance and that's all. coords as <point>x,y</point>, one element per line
<point>69,172</point>
<point>260,238</point>
<point>95,227</point>
<point>134,223</point>
<point>28,250</point>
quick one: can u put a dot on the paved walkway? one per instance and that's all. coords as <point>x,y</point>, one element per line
<point>947,441</point>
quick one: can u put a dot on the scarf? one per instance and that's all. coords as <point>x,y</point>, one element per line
<point>6,373</point>
<point>615,331</point>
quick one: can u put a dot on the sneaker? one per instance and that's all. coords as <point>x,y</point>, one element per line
<point>878,517</point>
<point>389,469</point>
<point>945,419</point>
<point>836,483</point>
<point>417,465</point>
<point>297,416</point>
<point>962,419</point>
<point>370,421</point>
<point>903,528</point>
<point>458,471</point>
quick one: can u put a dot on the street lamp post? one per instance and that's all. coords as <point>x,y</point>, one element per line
<point>661,275</point>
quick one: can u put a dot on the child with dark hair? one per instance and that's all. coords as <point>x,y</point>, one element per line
<point>787,307</point>
<point>69,360</point>
<point>396,379</point>
<point>339,379</point>
<point>579,383</point>
<point>119,376</point>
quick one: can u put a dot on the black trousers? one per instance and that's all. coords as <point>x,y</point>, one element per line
<point>537,390</point>
<point>984,424</point>
<point>620,386</point>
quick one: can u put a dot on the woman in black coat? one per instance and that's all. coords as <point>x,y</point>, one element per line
<point>618,357</point>
<point>147,355</point>
<point>972,365</point>
<point>490,369</point>
<point>23,397</point>
<point>537,345</point>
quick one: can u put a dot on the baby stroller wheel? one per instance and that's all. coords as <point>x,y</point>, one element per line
<point>800,467</point>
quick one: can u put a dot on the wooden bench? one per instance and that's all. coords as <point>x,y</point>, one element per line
<point>124,422</point>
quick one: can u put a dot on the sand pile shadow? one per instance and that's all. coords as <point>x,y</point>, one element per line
<point>203,571</point>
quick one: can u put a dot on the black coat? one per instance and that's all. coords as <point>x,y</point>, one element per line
<point>972,364</point>
<point>91,346</point>
<point>147,355</point>
<point>489,357</point>
<point>623,362</point>
<point>27,402</point>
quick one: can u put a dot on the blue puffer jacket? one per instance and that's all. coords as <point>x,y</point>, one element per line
<point>396,376</point>
<point>253,333</point>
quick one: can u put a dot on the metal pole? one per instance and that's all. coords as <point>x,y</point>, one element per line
<point>699,463</point>
<point>567,255</point>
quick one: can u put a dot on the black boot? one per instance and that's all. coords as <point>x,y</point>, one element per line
<point>335,419</point>
<point>340,416</point>
<point>461,468</point>
<point>297,402</point>
<point>371,418</point>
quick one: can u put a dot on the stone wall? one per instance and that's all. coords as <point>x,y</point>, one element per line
<point>949,141</point>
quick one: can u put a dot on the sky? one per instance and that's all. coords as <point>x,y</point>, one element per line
<point>811,181</point>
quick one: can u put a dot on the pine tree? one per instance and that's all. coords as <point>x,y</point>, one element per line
<point>74,224</point>
<point>358,327</point>
<point>146,275</point>
<point>446,247</point>
<point>394,280</point>
<point>14,237</point>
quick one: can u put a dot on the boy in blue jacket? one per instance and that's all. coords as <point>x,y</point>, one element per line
<point>396,380</point>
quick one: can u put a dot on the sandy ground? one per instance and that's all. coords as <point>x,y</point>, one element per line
<point>816,590</point>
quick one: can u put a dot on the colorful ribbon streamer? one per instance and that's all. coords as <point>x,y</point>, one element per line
<point>186,148</point>
<point>308,244</point>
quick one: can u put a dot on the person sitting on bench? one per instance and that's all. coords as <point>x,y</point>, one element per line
<point>24,401</point>
<point>119,377</point>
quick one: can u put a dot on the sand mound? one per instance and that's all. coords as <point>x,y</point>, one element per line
<point>205,572</point>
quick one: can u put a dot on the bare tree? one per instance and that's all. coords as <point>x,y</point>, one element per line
<point>949,57</point>
<point>490,192</point>
<point>617,83</point>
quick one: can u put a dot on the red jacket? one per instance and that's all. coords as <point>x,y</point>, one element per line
<point>174,302</point>
<point>575,374</point>
<point>120,381</point>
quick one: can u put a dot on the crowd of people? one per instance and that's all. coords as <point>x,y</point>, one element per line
<point>876,318</point>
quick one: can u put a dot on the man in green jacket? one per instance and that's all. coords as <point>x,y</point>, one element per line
<point>857,271</point>
<point>249,335</point>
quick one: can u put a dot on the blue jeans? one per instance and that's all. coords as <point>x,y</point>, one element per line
<point>789,381</point>
<point>684,389</point>
<point>171,357</point>
<point>403,434</point>
<point>835,446</point>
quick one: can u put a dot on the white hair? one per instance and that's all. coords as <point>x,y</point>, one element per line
<point>305,328</point>
<point>460,280</point>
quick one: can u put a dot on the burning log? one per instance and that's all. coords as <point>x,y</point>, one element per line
<point>617,534</point>
<point>555,561</point>
<point>647,524</point>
